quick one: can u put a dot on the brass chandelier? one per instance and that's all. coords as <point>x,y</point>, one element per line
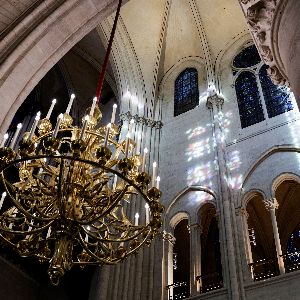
<point>73,191</point>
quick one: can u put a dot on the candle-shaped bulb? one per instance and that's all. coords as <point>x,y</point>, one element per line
<point>51,109</point>
<point>48,232</point>
<point>14,139</point>
<point>2,199</point>
<point>154,173</point>
<point>113,115</point>
<point>93,106</point>
<point>115,182</point>
<point>60,117</point>
<point>147,213</point>
<point>5,137</point>
<point>136,223</point>
<point>85,123</point>
<point>70,104</point>
<point>107,134</point>
<point>144,159</point>
<point>157,182</point>
<point>35,123</point>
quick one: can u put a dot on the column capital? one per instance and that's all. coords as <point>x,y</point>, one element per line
<point>195,226</point>
<point>271,204</point>
<point>214,99</point>
<point>168,237</point>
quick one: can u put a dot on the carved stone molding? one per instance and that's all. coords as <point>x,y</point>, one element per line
<point>141,120</point>
<point>259,15</point>
<point>271,204</point>
<point>196,227</point>
<point>214,100</point>
<point>169,237</point>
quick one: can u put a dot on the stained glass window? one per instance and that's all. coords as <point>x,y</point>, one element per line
<point>186,91</point>
<point>277,98</point>
<point>250,107</point>
<point>247,58</point>
<point>293,247</point>
<point>258,98</point>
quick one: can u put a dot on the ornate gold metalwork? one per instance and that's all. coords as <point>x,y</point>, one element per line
<point>65,206</point>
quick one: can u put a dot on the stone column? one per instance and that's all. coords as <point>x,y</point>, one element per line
<point>169,242</point>
<point>195,257</point>
<point>271,206</point>
<point>245,228</point>
<point>215,103</point>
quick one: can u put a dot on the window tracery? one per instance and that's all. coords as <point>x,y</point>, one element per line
<point>186,96</point>
<point>258,98</point>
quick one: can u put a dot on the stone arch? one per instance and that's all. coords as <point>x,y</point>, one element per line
<point>288,176</point>
<point>186,62</point>
<point>226,56</point>
<point>43,47</point>
<point>166,85</point>
<point>175,206</point>
<point>286,188</point>
<point>249,178</point>
<point>177,218</point>
<point>250,195</point>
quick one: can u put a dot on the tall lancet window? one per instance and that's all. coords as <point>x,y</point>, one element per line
<point>186,91</point>
<point>258,98</point>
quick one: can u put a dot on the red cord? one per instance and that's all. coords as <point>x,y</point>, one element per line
<point>105,63</point>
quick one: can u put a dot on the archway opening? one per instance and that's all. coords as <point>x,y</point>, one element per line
<point>181,261</point>
<point>211,263</point>
<point>288,220</point>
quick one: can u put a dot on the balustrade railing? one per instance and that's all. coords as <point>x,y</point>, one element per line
<point>178,291</point>
<point>264,269</point>
<point>291,261</point>
<point>210,282</point>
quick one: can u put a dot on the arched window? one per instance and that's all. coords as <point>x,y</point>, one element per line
<point>186,91</point>
<point>258,98</point>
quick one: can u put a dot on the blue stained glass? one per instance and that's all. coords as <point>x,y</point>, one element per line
<point>293,246</point>
<point>248,57</point>
<point>250,107</point>
<point>186,91</point>
<point>277,98</point>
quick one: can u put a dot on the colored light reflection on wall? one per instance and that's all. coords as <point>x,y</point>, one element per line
<point>234,161</point>
<point>199,197</point>
<point>198,149</point>
<point>200,174</point>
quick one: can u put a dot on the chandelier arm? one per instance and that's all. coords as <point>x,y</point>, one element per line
<point>135,249</point>
<point>19,232</point>
<point>43,214</point>
<point>19,206</point>
<point>111,262</point>
<point>113,205</point>
<point>117,240</point>
<point>8,241</point>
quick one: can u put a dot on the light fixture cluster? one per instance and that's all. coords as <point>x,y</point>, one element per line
<point>73,193</point>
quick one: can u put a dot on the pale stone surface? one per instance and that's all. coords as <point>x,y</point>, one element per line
<point>155,41</point>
